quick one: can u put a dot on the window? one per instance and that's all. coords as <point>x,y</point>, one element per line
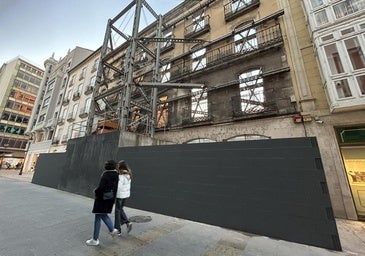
<point>165,73</point>
<point>46,103</point>
<point>87,104</point>
<point>321,17</point>
<point>355,53</point>
<point>167,43</point>
<point>316,3</point>
<point>245,40</point>
<point>83,73</point>
<point>92,81</point>
<point>41,118</point>
<point>237,5</point>
<point>74,110</point>
<point>72,81</point>
<point>199,59</point>
<point>162,112</point>
<point>83,128</point>
<point>199,103</point>
<point>343,89</point>
<point>51,85</point>
<point>348,7</point>
<point>96,65</point>
<point>199,22</point>
<point>333,59</point>
<point>79,88</point>
<point>361,83</point>
<point>252,91</point>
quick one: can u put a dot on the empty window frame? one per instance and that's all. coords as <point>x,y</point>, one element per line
<point>162,112</point>
<point>199,60</point>
<point>165,73</point>
<point>199,104</point>
<point>252,91</point>
<point>245,41</point>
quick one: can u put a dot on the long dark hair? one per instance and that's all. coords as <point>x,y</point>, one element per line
<point>123,168</point>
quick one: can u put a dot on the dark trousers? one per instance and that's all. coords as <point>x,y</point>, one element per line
<point>119,214</point>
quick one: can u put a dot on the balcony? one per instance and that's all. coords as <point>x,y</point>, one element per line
<point>64,138</point>
<point>84,113</point>
<point>256,42</point>
<point>71,117</point>
<point>236,8</point>
<point>198,27</point>
<point>76,96</point>
<point>61,121</point>
<point>65,102</point>
<point>89,89</point>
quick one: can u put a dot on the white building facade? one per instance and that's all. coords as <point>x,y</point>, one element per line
<point>338,34</point>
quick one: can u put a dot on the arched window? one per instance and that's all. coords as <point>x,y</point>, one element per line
<point>200,140</point>
<point>252,91</point>
<point>248,137</point>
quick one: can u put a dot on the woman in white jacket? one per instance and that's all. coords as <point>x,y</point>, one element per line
<point>123,192</point>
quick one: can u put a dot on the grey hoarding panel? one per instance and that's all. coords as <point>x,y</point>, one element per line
<point>275,187</point>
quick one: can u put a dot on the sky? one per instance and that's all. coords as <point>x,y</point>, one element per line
<point>35,29</point>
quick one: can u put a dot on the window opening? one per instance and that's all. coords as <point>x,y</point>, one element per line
<point>252,91</point>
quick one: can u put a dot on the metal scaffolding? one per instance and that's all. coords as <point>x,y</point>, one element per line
<point>121,92</point>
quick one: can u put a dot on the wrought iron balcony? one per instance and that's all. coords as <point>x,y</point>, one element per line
<point>254,43</point>
<point>65,102</point>
<point>71,117</point>
<point>198,27</point>
<point>76,96</point>
<point>89,89</point>
<point>235,8</point>
<point>83,112</point>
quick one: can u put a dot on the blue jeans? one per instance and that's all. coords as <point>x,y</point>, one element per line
<point>97,224</point>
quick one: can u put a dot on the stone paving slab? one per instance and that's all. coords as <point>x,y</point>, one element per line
<point>37,220</point>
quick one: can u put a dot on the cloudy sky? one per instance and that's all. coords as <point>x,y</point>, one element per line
<point>34,29</point>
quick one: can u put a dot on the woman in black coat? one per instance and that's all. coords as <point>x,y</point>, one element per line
<point>104,201</point>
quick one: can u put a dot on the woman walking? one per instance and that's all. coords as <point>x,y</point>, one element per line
<point>104,201</point>
<point>123,192</point>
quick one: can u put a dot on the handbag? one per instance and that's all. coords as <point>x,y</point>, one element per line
<point>108,195</point>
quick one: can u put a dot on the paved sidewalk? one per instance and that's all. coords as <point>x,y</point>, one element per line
<point>37,220</point>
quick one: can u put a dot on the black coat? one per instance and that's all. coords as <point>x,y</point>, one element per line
<point>108,181</point>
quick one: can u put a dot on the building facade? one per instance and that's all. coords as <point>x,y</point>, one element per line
<point>44,118</point>
<point>76,102</point>
<point>261,79</point>
<point>19,85</point>
<point>338,34</point>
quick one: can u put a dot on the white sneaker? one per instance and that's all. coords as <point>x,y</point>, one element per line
<point>92,242</point>
<point>114,232</point>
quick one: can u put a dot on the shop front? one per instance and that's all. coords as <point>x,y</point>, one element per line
<point>352,146</point>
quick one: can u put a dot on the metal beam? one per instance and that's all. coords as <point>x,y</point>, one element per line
<point>172,85</point>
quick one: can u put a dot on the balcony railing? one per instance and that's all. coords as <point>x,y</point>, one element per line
<point>197,27</point>
<point>65,102</point>
<point>235,8</point>
<point>256,42</point>
<point>70,117</point>
<point>89,89</point>
<point>83,113</point>
<point>76,96</point>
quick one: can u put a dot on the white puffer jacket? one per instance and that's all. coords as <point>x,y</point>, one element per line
<point>124,186</point>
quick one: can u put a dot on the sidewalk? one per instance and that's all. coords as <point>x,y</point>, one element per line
<point>37,220</point>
